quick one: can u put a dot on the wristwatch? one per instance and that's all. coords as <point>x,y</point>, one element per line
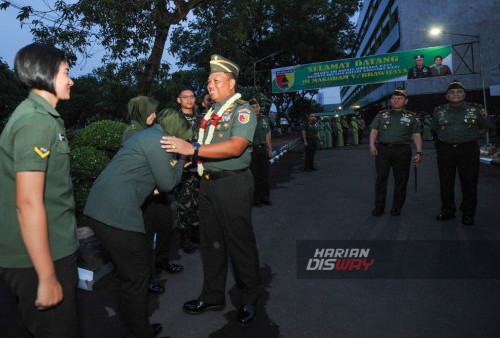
<point>196,147</point>
<point>419,153</point>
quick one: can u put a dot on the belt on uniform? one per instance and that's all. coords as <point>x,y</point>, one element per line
<point>221,174</point>
<point>392,144</point>
<point>456,145</point>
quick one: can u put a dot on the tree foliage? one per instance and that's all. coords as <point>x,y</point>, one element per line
<point>11,93</point>
<point>128,30</point>
<point>266,34</point>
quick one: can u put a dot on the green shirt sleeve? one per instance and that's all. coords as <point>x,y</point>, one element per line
<point>33,143</point>
<point>244,123</point>
<point>376,122</point>
<point>165,175</point>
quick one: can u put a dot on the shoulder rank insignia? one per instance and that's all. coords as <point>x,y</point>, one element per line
<point>42,152</point>
<point>241,101</point>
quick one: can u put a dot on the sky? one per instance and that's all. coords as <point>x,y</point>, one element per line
<point>14,37</point>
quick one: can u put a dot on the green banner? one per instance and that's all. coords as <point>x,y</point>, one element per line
<point>368,69</point>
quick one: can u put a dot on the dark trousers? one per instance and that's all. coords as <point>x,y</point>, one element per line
<point>465,159</point>
<point>397,157</point>
<point>260,172</point>
<point>226,230</point>
<point>310,150</point>
<point>131,255</point>
<point>59,321</point>
<point>158,220</point>
<point>345,135</point>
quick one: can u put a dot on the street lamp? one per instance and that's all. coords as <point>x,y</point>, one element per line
<point>436,31</point>
<point>255,63</point>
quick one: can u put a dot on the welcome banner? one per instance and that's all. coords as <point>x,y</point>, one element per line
<point>368,69</point>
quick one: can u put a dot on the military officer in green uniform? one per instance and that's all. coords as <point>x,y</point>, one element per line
<point>395,128</point>
<point>226,194</point>
<point>354,127</point>
<point>328,133</point>
<point>261,153</point>
<point>311,138</point>
<point>114,212</point>
<point>340,136</point>
<point>38,241</point>
<point>156,209</point>
<point>458,126</point>
<point>322,135</point>
<point>186,193</point>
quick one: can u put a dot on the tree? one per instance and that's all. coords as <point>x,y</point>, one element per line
<point>128,30</point>
<point>11,93</point>
<point>246,31</point>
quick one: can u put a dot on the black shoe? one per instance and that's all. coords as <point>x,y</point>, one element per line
<point>268,202</point>
<point>396,212</point>
<point>198,306</point>
<point>170,267</point>
<point>444,216</point>
<point>377,211</point>
<point>257,204</point>
<point>246,315</point>
<point>468,220</point>
<point>157,327</point>
<point>155,288</point>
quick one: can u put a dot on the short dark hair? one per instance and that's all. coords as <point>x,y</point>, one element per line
<point>183,88</point>
<point>439,56</point>
<point>36,66</point>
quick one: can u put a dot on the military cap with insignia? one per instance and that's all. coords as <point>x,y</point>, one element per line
<point>400,92</point>
<point>221,64</point>
<point>455,84</point>
<point>418,57</point>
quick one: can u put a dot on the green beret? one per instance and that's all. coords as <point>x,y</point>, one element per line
<point>455,84</point>
<point>220,64</point>
<point>400,92</point>
<point>140,107</point>
<point>174,124</point>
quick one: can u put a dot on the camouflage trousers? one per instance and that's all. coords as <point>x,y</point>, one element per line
<point>186,195</point>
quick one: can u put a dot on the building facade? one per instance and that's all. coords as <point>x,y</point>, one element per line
<point>386,26</point>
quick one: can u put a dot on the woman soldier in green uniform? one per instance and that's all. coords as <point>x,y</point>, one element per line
<point>114,211</point>
<point>37,223</point>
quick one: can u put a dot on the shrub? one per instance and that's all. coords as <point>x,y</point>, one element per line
<point>87,163</point>
<point>104,134</point>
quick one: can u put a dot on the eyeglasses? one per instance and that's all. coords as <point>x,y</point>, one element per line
<point>187,97</point>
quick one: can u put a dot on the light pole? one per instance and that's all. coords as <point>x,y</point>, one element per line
<point>438,31</point>
<point>255,63</point>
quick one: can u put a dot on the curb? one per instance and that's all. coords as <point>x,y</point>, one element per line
<point>283,150</point>
<point>489,161</point>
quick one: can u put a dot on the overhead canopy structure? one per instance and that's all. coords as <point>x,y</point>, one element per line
<point>347,72</point>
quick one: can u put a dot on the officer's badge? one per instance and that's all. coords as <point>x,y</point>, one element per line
<point>243,116</point>
<point>218,127</point>
<point>227,116</point>
<point>42,152</point>
<point>226,125</point>
<point>221,135</point>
